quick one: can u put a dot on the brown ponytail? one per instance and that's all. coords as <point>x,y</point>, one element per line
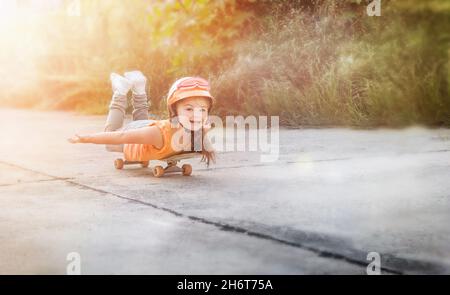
<point>208,153</point>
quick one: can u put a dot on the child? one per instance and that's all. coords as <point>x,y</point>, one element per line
<point>188,101</point>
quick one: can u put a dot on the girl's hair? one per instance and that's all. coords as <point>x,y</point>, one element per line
<point>208,153</point>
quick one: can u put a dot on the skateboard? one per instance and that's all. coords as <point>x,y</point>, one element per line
<point>159,171</point>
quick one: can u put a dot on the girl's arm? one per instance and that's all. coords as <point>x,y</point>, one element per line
<point>145,135</point>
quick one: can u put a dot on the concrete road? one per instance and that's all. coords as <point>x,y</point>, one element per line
<point>333,196</point>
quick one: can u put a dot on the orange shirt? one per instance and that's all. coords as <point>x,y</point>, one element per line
<point>147,152</point>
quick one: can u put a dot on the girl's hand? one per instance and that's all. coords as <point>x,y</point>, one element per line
<point>76,139</point>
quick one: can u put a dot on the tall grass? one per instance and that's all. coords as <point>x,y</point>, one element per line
<point>316,70</point>
<point>311,62</point>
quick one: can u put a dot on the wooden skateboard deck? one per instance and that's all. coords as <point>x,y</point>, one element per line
<point>171,167</point>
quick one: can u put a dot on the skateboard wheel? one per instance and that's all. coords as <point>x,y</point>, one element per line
<point>118,163</point>
<point>158,171</point>
<point>144,164</point>
<point>187,169</point>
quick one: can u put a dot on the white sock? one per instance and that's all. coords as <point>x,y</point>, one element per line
<point>138,80</point>
<point>120,84</point>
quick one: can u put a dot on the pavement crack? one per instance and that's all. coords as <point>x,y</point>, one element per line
<point>241,230</point>
<point>278,163</point>
<point>288,162</point>
<point>219,225</point>
<point>34,181</point>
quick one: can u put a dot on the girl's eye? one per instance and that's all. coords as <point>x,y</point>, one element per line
<point>189,109</point>
<point>203,110</point>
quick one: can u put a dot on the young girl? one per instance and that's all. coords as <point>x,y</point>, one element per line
<point>188,101</point>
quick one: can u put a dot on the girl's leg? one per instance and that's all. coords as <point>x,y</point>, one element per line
<point>139,96</point>
<point>136,124</point>
<point>117,107</point>
<point>140,106</point>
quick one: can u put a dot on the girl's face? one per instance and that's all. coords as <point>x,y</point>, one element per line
<point>193,112</point>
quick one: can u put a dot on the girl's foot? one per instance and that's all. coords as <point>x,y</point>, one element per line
<point>120,84</point>
<point>138,80</point>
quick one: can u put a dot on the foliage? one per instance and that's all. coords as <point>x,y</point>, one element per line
<point>312,62</point>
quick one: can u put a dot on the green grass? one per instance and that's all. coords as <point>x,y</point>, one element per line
<point>331,66</point>
<point>393,73</point>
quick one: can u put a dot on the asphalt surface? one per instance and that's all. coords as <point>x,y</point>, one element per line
<point>332,196</point>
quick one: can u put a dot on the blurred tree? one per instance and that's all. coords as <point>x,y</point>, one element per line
<point>198,35</point>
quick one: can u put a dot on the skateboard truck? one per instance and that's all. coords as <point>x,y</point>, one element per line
<point>159,171</point>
